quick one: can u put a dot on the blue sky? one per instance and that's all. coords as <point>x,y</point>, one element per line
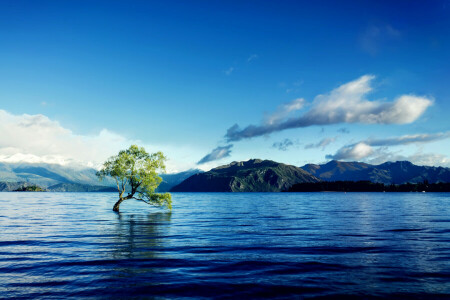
<point>89,77</point>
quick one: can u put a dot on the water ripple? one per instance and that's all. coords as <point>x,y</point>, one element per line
<point>311,245</point>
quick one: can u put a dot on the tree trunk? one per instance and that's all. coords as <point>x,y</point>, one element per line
<point>116,206</point>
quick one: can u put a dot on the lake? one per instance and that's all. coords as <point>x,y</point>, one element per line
<point>226,245</point>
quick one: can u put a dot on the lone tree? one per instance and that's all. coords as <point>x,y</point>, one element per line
<point>136,171</point>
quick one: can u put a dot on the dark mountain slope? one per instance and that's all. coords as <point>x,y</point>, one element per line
<point>254,175</point>
<point>171,180</point>
<point>338,169</point>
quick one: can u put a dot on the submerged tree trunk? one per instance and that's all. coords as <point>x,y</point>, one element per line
<point>116,206</point>
<point>121,199</point>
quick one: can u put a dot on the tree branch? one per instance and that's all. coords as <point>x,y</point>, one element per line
<point>117,182</point>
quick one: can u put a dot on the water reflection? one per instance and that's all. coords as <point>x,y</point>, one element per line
<point>234,245</point>
<point>140,236</point>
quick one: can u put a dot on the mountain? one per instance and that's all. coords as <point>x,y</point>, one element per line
<point>58,178</point>
<point>398,172</point>
<point>78,187</point>
<point>10,186</point>
<point>171,180</point>
<point>254,175</point>
<point>250,176</point>
<point>45,175</point>
<point>51,177</point>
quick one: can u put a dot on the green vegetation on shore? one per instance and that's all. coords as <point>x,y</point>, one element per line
<point>30,188</point>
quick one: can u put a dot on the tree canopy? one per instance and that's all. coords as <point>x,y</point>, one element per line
<point>136,172</point>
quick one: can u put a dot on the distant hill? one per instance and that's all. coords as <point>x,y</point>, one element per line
<point>11,186</point>
<point>46,175</point>
<point>60,187</point>
<point>398,172</point>
<point>171,180</point>
<point>78,187</point>
<point>30,188</point>
<point>58,178</point>
<point>254,175</point>
<point>51,177</point>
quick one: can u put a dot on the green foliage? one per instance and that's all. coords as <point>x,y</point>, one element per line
<point>30,188</point>
<point>137,170</point>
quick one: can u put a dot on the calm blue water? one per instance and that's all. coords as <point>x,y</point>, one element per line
<point>242,245</point>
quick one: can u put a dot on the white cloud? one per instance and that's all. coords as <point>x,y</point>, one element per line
<point>36,138</point>
<point>345,104</point>
<point>284,111</point>
<point>418,158</point>
<point>376,151</point>
<point>353,152</point>
<point>216,154</point>
<point>429,159</point>
<point>409,139</point>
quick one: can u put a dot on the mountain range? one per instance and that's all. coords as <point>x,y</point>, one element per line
<point>46,175</point>
<point>58,178</point>
<point>398,172</point>
<point>173,179</point>
<point>269,176</point>
<point>51,177</point>
<point>254,175</point>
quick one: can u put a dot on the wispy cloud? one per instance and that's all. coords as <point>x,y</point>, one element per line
<point>409,139</point>
<point>284,111</point>
<point>321,144</point>
<point>418,158</point>
<point>229,71</point>
<point>366,149</point>
<point>252,57</point>
<point>380,155</point>
<point>216,154</point>
<point>283,145</point>
<point>345,104</point>
<point>343,130</point>
<point>374,37</point>
<point>291,87</point>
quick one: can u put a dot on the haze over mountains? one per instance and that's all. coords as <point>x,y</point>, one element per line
<point>58,178</point>
<point>254,175</point>
<point>52,177</point>
<point>46,175</point>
